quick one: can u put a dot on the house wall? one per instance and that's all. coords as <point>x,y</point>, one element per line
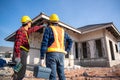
<point>71,61</point>
<point>91,35</point>
<point>110,37</point>
<point>35,43</point>
<point>93,58</point>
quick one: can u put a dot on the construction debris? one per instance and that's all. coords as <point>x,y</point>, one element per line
<point>82,73</point>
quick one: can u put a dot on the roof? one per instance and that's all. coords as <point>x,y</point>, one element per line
<point>93,26</point>
<point>4,49</point>
<point>82,30</point>
<point>108,26</point>
<point>44,16</point>
<point>37,21</point>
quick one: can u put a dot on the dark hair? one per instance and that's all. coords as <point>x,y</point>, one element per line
<point>54,23</point>
<point>24,24</point>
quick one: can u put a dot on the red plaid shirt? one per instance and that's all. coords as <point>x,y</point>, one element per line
<point>21,39</point>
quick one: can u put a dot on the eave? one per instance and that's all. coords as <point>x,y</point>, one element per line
<point>37,21</point>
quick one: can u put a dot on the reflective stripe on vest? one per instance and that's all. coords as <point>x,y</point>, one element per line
<point>28,42</point>
<point>24,48</point>
<point>58,44</point>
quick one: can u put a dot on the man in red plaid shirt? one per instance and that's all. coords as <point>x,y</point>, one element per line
<point>21,45</point>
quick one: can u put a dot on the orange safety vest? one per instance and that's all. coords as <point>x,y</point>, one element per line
<point>58,44</point>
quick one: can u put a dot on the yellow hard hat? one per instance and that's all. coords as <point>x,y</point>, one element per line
<point>54,18</point>
<point>25,19</point>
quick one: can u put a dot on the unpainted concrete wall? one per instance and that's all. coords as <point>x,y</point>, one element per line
<point>110,37</point>
<point>104,35</point>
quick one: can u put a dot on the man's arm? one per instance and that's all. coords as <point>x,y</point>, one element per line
<point>44,43</point>
<point>34,29</point>
<point>69,43</point>
<point>18,43</point>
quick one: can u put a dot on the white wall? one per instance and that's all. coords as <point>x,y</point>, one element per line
<point>36,38</point>
<point>35,43</point>
<point>75,37</point>
<point>90,39</point>
<point>110,37</point>
<point>91,35</point>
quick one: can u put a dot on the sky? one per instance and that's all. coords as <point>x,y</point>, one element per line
<point>76,13</point>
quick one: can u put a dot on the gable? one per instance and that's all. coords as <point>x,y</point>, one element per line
<point>38,21</point>
<point>94,27</point>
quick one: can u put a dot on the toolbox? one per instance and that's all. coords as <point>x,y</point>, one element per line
<point>41,72</point>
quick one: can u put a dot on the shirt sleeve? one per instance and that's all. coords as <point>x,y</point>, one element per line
<point>34,29</point>
<point>44,43</point>
<point>18,43</point>
<point>69,42</point>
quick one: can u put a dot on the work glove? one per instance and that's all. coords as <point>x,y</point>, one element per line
<point>17,60</point>
<point>45,25</point>
<point>42,62</point>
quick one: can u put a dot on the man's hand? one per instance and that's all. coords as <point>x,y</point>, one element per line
<point>45,25</point>
<point>42,62</point>
<point>17,60</point>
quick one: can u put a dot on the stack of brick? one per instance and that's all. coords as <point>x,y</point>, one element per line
<point>84,74</point>
<point>91,74</point>
<point>74,74</point>
<point>116,70</point>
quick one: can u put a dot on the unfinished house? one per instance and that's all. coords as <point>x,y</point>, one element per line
<point>98,45</point>
<point>93,45</point>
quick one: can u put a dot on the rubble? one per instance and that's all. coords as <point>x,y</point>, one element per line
<point>6,73</point>
<point>77,73</point>
<point>116,70</point>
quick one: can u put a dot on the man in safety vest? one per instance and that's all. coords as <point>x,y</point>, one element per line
<point>54,45</point>
<point>21,45</point>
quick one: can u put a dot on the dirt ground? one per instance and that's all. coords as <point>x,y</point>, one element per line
<point>83,73</point>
